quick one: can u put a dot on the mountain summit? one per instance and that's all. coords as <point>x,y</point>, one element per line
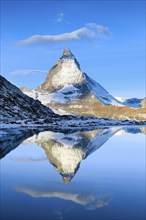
<point>66,72</point>
<point>67,53</point>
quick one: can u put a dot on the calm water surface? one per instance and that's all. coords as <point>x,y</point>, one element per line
<point>97,174</point>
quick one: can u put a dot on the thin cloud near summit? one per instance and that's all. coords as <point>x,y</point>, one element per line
<point>90,30</point>
<point>25,72</point>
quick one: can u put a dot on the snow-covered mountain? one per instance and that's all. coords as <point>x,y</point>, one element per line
<point>68,89</point>
<point>15,106</point>
<point>66,83</point>
<point>132,102</point>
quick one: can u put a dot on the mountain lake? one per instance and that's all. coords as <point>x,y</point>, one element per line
<point>93,174</point>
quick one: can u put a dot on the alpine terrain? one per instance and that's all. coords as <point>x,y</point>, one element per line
<point>68,90</point>
<point>16,108</point>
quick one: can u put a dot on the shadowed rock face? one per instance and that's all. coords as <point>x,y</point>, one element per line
<point>15,105</point>
<point>67,88</point>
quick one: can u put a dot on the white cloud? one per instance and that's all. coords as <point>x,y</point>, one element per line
<point>60,17</point>
<point>98,28</point>
<point>90,30</point>
<point>25,72</point>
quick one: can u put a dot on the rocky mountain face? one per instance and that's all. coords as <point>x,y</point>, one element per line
<point>70,90</point>
<point>15,106</point>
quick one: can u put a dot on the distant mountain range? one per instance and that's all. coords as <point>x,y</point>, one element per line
<point>67,90</point>
<point>133,102</point>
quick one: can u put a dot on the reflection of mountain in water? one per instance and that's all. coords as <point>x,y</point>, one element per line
<point>64,150</point>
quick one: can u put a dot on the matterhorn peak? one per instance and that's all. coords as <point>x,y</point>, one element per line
<point>67,54</point>
<point>65,79</point>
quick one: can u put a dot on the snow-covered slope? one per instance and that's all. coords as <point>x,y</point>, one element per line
<point>100,93</point>
<point>66,94</point>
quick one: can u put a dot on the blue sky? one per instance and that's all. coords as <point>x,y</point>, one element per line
<point>107,38</point>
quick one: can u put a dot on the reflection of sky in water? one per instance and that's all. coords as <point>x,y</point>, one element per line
<point>109,183</point>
